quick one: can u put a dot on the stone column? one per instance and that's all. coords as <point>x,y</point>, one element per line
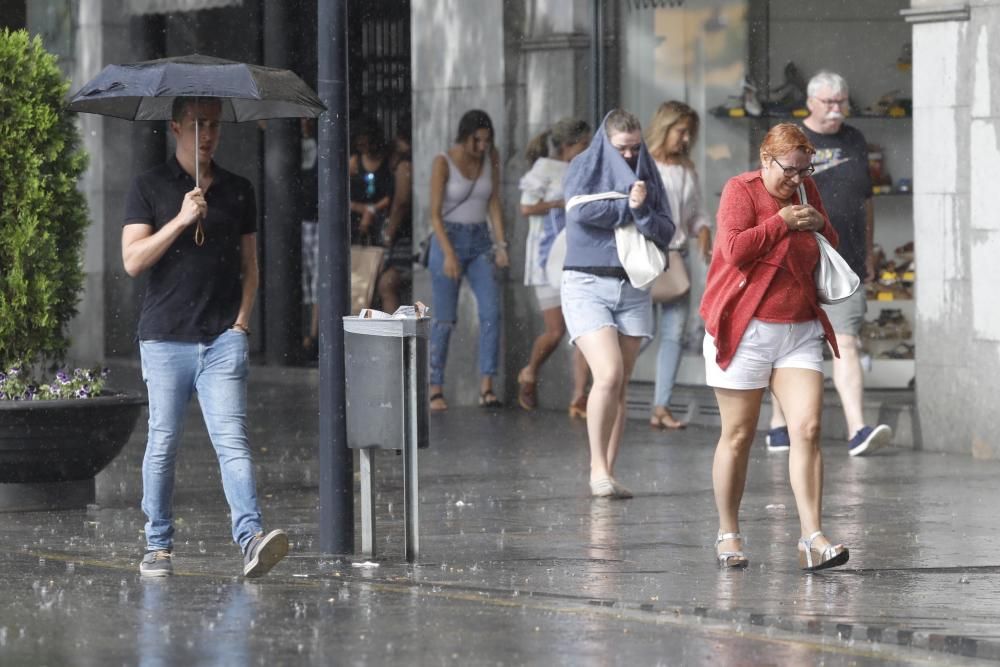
<point>102,37</point>
<point>957,231</point>
<point>459,53</point>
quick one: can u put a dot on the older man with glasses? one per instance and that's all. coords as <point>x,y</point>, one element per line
<point>841,173</point>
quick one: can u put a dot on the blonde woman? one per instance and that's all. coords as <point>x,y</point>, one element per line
<point>670,136</point>
<point>541,191</point>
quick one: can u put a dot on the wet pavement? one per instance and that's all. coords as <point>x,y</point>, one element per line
<point>518,564</point>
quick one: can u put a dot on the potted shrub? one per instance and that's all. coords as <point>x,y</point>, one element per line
<point>55,434</point>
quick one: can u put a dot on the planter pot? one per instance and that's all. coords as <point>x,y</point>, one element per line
<point>50,451</point>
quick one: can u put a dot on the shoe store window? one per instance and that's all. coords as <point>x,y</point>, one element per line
<point>744,65</point>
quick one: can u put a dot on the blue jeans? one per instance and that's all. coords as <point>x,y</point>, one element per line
<point>673,318</point>
<point>217,372</point>
<point>473,247</point>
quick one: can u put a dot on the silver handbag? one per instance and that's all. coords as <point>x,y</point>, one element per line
<point>835,280</point>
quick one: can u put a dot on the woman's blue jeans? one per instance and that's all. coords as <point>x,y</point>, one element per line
<point>217,372</point>
<point>474,250</point>
<point>673,318</point>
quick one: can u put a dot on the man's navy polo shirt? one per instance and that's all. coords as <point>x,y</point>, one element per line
<point>194,292</point>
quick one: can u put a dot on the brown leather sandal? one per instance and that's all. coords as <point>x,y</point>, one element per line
<point>527,395</point>
<point>663,418</point>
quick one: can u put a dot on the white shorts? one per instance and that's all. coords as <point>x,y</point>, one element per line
<point>764,347</point>
<point>548,297</point>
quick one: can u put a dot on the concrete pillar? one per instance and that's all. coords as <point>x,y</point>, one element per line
<point>525,75</point>
<point>281,233</point>
<point>102,37</point>
<point>957,232</point>
<point>459,63</point>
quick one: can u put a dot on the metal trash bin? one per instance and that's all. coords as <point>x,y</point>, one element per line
<point>386,368</point>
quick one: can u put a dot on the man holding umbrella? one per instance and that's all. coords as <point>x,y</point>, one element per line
<point>198,245</point>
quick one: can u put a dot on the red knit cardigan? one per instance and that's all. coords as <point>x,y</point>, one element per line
<point>751,243</point>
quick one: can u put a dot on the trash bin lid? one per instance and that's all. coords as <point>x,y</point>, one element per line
<point>393,328</point>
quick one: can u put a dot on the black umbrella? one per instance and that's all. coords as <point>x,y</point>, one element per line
<point>146,91</point>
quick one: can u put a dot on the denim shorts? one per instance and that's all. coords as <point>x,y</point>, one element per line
<point>764,347</point>
<point>592,302</point>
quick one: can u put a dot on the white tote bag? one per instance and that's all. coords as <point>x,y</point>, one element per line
<point>642,259</point>
<point>835,280</point>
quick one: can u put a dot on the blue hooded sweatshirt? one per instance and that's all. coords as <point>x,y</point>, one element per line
<point>590,235</point>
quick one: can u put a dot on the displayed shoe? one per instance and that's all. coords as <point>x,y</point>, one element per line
<point>868,440</point>
<point>527,394</point>
<point>578,408</point>
<point>778,440</point>
<point>812,558</point>
<point>264,552</point>
<point>662,418</point>
<point>791,93</point>
<point>157,563</point>
<point>901,351</point>
<point>731,559</point>
<point>751,100</point>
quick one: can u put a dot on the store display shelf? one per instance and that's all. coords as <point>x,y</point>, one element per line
<point>799,114</point>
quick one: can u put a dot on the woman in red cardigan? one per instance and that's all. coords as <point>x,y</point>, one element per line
<point>765,328</point>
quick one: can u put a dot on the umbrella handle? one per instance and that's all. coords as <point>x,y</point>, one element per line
<point>199,231</point>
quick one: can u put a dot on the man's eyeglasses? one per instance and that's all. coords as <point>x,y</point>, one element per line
<point>837,102</point>
<point>791,172</point>
<point>634,149</point>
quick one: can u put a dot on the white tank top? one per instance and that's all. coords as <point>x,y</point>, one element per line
<point>473,209</point>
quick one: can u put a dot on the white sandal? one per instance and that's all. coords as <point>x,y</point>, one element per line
<point>734,559</point>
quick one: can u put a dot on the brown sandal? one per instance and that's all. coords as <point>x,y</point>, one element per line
<point>527,395</point>
<point>663,418</point>
<point>578,408</point>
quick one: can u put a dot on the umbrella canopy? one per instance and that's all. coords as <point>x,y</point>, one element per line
<point>146,90</point>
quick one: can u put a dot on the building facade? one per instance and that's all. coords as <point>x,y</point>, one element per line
<point>531,62</point>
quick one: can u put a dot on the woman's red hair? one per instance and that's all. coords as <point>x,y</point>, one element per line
<point>784,138</point>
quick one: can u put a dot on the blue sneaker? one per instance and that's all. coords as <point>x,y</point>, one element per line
<point>777,439</point>
<point>869,439</point>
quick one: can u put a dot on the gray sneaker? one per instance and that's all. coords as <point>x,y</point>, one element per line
<point>157,563</point>
<point>264,552</point>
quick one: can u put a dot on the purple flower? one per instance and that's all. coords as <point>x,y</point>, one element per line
<point>3,377</point>
<point>14,371</point>
<point>62,377</point>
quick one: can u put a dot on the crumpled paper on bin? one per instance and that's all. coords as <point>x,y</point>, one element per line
<point>416,311</point>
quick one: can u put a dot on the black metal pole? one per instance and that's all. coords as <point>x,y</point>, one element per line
<point>336,475</point>
<point>282,316</point>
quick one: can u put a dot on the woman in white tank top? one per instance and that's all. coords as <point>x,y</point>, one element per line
<point>469,242</point>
